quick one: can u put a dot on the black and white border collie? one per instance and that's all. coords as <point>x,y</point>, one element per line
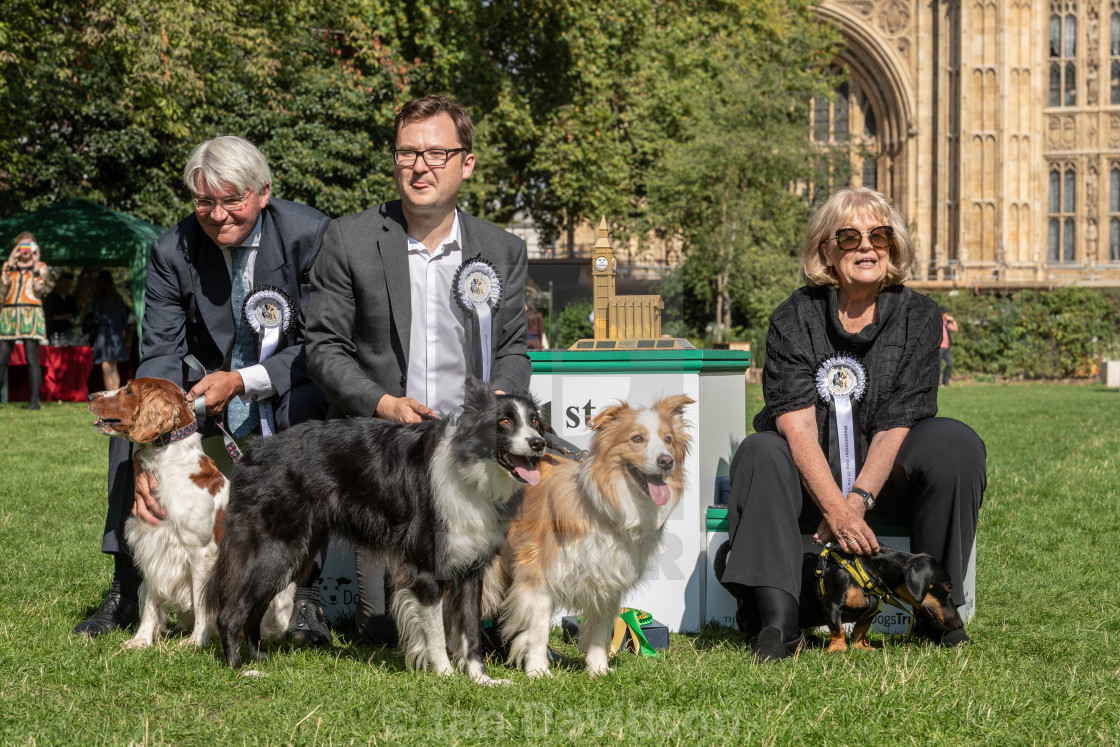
<point>433,499</point>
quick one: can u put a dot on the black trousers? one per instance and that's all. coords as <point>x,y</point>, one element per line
<point>34,372</point>
<point>946,365</point>
<point>937,486</point>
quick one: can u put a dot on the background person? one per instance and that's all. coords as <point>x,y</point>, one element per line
<point>109,319</point>
<point>853,309</point>
<point>948,327</point>
<point>384,337</point>
<point>238,238</point>
<point>23,281</point>
<point>61,310</point>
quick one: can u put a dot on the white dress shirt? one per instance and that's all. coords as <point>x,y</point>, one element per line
<point>437,354</point>
<point>257,383</point>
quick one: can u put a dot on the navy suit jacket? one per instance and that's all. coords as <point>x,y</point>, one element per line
<point>360,315</point>
<point>187,301</point>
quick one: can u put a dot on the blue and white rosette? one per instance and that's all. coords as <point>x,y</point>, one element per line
<point>269,313</point>
<point>841,381</point>
<point>478,291</point>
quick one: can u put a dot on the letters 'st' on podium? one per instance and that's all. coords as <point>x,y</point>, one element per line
<point>623,322</point>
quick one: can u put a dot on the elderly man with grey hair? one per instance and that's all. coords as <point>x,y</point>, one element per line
<point>238,243</point>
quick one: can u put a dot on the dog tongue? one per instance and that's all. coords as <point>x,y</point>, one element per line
<point>524,468</point>
<point>658,491</point>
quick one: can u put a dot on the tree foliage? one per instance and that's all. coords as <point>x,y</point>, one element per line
<point>685,118</point>
<point>1063,333</point>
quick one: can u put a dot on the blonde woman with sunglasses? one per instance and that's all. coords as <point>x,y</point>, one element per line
<point>848,430</point>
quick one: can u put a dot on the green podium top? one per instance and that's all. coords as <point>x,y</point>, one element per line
<point>645,361</point>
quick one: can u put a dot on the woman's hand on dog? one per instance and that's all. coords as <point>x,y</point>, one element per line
<point>844,524</point>
<point>402,409</point>
<point>146,507</point>
<point>219,387</point>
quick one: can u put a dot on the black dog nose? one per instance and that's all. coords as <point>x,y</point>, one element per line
<point>536,443</point>
<point>665,462</point>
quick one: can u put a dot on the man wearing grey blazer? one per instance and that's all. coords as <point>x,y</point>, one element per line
<point>189,309</point>
<point>387,334</point>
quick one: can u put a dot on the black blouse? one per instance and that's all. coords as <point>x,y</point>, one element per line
<point>899,352</point>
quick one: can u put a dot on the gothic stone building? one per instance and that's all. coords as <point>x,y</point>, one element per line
<point>995,127</point>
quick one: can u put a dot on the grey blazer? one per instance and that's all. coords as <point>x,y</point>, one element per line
<point>360,314</point>
<point>186,304</point>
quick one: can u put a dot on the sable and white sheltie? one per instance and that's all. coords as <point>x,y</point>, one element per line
<point>176,555</point>
<point>586,531</point>
<point>433,499</point>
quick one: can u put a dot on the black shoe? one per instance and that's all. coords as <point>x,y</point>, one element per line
<point>770,646</point>
<point>115,613</point>
<point>492,643</point>
<point>380,630</point>
<point>308,626</point>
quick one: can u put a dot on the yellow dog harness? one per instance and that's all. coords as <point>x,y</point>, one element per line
<point>855,569</point>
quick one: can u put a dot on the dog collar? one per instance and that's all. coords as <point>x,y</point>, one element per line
<point>171,437</point>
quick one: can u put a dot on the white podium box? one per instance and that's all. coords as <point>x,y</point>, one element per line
<point>572,386</point>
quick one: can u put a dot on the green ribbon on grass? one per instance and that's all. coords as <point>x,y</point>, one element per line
<point>630,621</point>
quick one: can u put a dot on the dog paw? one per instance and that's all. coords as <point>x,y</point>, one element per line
<point>544,673</point>
<point>599,671</point>
<point>253,673</point>
<point>488,681</point>
<point>137,644</point>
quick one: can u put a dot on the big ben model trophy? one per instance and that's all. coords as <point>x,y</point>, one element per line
<point>623,322</point>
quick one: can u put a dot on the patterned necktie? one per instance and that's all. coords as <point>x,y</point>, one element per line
<point>241,417</point>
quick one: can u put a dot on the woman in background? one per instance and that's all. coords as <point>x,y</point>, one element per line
<point>24,281</point>
<point>109,317</point>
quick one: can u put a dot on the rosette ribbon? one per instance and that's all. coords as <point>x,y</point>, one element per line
<point>478,291</point>
<point>268,312</point>
<point>841,381</point>
<point>628,631</point>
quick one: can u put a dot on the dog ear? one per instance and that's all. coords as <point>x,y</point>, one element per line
<point>477,393</point>
<point>674,406</point>
<point>157,411</point>
<point>918,573</point>
<point>606,416</point>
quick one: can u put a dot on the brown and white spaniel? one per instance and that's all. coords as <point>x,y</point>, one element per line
<point>174,556</point>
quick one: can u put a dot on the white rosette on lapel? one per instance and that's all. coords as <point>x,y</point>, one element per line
<point>841,381</point>
<point>478,291</point>
<point>269,313</point>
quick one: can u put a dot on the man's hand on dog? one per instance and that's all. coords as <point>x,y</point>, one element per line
<point>402,409</point>
<point>146,508</point>
<point>219,388</point>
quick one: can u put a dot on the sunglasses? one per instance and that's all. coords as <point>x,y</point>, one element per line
<point>849,239</point>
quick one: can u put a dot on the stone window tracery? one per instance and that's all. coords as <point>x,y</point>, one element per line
<point>1063,54</point>
<point>1061,231</point>
<point>1114,214</point>
<point>848,121</point>
<point>1114,55</point>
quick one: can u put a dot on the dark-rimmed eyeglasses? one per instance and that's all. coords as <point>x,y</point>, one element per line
<point>431,156</point>
<point>849,239</point>
<point>229,204</point>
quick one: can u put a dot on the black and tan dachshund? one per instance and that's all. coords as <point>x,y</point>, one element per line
<point>831,594</point>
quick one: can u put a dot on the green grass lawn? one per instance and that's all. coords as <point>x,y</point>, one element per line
<point>1044,667</point>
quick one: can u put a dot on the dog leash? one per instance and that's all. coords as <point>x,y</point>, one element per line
<point>227,438</point>
<point>855,569</point>
<point>564,448</point>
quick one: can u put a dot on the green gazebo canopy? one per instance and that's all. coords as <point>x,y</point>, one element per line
<point>82,233</point>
